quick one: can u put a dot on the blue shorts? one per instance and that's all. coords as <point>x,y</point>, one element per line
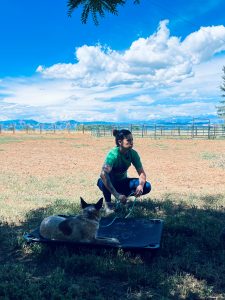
<point>125,187</point>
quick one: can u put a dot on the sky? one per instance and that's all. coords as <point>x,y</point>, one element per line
<point>156,60</point>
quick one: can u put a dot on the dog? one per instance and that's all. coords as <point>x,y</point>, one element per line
<point>81,228</point>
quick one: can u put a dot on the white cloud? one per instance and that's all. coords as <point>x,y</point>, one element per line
<point>158,60</point>
<point>188,109</point>
<point>204,43</point>
<point>204,85</point>
<point>137,84</point>
<point>144,99</point>
<point>37,93</point>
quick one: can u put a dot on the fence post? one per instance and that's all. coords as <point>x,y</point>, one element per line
<point>209,131</point>
<point>142,132</point>
<point>155,132</point>
<point>13,128</point>
<point>27,129</point>
<point>68,127</point>
<point>83,128</point>
<point>40,128</point>
<point>0,128</point>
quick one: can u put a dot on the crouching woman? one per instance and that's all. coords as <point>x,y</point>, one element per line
<point>113,178</point>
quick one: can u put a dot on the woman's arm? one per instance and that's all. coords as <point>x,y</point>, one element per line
<point>142,177</point>
<point>106,169</point>
<point>142,180</point>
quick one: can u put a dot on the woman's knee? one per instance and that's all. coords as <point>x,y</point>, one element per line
<point>147,188</point>
<point>100,184</point>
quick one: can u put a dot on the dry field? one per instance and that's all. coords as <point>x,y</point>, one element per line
<point>36,170</point>
<point>45,174</point>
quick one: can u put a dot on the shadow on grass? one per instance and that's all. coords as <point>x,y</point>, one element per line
<point>12,234</point>
<point>189,265</point>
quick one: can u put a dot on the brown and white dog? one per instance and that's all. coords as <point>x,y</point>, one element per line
<point>81,228</point>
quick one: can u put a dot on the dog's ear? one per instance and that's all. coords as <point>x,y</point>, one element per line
<point>83,203</point>
<point>98,205</point>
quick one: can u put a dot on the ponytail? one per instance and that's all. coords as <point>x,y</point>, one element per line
<point>115,132</point>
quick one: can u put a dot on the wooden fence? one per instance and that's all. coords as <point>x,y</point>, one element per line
<point>167,131</point>
<point>192,131</point>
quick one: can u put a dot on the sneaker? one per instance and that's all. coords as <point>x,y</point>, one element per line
<point>109,208</point>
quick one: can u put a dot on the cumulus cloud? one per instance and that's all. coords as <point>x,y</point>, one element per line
<point>203,86</point>
<point>159,59</point>
<point>204,43</point>
<point>158,76</point>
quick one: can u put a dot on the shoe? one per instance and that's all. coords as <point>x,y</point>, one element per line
<point>109,208</point>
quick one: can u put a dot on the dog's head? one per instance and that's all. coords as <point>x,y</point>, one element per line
<point>91,211</point>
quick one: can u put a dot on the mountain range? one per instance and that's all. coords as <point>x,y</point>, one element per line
<point>20,124</point>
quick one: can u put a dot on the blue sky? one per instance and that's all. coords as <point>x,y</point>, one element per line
<point>159,59</point>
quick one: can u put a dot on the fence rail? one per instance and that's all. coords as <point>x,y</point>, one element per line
<point>167,131</point>
<point>191,131</point>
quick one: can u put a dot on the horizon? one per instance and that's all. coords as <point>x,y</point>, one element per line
<point>157,61</point>
<point>175,120</point>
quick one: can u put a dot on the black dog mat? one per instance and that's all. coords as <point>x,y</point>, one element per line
<point>131,233</point>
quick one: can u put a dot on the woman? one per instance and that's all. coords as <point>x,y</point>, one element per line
<point>114,178</point>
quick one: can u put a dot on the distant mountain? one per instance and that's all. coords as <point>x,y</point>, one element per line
<point>21,124</point>
<point>212,119</point>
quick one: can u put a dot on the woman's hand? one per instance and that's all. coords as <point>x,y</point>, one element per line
<point>139,191</point>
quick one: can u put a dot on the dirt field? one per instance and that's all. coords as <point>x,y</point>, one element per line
<point>45,175</point>
<point>67,167</point>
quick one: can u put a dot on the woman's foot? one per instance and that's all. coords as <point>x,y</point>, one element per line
<point>109,208</point>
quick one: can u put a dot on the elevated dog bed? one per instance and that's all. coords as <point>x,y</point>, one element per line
<point>131,233</point>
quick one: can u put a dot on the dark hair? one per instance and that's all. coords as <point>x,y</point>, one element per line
<point>120,135</point>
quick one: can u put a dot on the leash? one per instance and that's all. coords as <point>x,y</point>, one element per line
<point>110,223</point>
<point>118,205</point>
<point>132,208</point>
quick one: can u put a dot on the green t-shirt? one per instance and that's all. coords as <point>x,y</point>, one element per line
<point>121,162</point>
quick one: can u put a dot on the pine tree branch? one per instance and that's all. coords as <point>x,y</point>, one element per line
<point>96,8</point>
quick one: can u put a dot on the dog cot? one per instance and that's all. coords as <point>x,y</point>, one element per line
<point>132,234</point>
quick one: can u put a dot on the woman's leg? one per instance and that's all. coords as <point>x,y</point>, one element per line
<point>109,209</point>
<point>106,192</point>
<point>128,186</point>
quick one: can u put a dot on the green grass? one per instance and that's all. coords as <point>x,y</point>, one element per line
<point>10,139</point>
<point>217,160</point>
<point>189,265</point>
<point>209,156</point>
<point>20,138</point>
